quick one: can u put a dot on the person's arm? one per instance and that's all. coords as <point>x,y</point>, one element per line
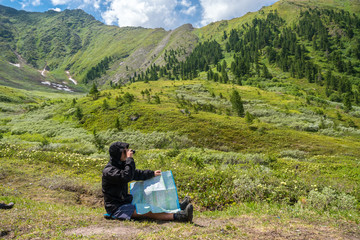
<point>141,175</point>
<point>116,175</point>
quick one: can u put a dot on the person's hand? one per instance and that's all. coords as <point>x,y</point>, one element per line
<point>157,173</point>
<point>129,153</point>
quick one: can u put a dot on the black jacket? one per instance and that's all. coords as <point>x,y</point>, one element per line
<point>115,179</point>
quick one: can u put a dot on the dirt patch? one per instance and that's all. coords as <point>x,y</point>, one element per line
<point>244,227</point>
<point>120,231</point>
<point>274,228</point>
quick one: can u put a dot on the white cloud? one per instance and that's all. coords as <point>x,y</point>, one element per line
<point>96,4</point>
<point>25,4</point>
<point>168,14</point>
<point>35,2</point>
<point>151,13</point>
<point>80,4</point>
<point>93,3</point>
<point>185,3</point>
<point>60,2</point>
<point>55,9</point>
<point>215,10</point>
<point>190,11</point>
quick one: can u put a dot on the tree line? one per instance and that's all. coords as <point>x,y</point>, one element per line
<point>203,55</point>
<point>270,43</point>
<point>269,40</point>
<point>98,70</point>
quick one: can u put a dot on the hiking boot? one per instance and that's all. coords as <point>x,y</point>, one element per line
<point>6,206</point>
<point>185,202</point>
<point>185,215</point>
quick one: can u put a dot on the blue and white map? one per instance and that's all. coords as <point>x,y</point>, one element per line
<point>158,194</point>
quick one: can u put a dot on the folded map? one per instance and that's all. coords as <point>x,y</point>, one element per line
<point>158,194</point>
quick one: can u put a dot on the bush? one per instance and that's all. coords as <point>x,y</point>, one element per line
<point>44,142</point>
<point>317,200</point>
<point>197,95</point>
<point>39,122</point>
<point>335,97</point>
<point>249,189</point>
<point>295,154</point>
<point>345,202</point>
<point>141,140</point>
<point>128,97</point>
<point>214,157</point>
<point>355,112</point>
<point>328,199</point>
<point>261,184</point>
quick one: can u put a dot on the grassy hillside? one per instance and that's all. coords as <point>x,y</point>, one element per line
<point>287,9</point>
<point>73,40</point>
<point>281,124</point>
<point>272,167</point>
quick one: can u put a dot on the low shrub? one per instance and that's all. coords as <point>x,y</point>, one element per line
<point>329,199</point>
<point>205,175</point>
<point>154,140</point>
<point>295,154</point>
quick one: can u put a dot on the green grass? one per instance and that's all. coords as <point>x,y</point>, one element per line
<point>57,196</point>
<point>282,121</point>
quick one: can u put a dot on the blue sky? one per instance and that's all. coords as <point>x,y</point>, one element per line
<point>168,14</point>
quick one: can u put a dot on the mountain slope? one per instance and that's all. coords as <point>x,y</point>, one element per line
<point>289,10</point>
<point>73,40</point>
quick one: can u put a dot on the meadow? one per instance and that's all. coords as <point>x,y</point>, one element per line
<point>286,167</point>
<point>294,159</point>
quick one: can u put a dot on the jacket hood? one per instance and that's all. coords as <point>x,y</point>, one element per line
<point>115,151</point>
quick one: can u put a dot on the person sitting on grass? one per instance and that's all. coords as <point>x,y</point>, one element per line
<point>121,170</point>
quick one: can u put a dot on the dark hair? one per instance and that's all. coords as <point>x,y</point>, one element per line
<point>116,149</point>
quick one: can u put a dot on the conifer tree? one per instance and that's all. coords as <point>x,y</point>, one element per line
<point>218,67</point>
<point>347,102</point>
<point>236,102</point>
<point>78,113</point>
<point>98,141</point>
<point>94,92</point>
<point>128,97</point>
<point>73,102</point>
<point>105,105</point>
<point>157,99</point>
<point>225,35</point>
<point>117,124</point>
<point>249,117</point>
<point>265,72</point>
<point>224,76</point>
